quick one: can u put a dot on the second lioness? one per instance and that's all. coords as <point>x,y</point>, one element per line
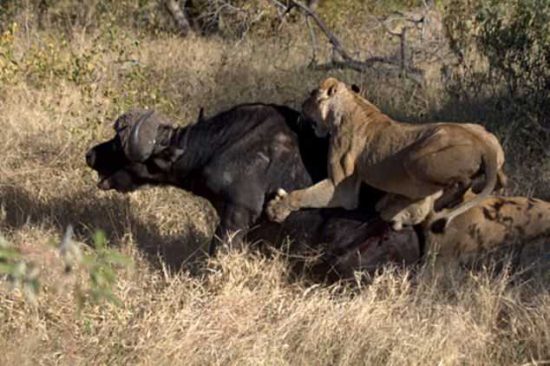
<point>416,162</point>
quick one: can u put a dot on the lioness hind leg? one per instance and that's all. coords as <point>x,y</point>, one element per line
<point>502,181</point>
<point>402,211</point>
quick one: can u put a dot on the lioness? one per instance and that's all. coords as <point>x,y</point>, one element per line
<point>496,224</point>
<point>417,162</point>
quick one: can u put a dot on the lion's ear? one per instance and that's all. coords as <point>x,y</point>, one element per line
<point>330,86</point>
<point>355,88</point>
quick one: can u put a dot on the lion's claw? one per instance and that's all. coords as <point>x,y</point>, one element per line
<point>278,209</point>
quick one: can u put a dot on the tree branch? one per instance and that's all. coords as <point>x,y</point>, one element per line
<point>347,61</point>
<point>336,43</point>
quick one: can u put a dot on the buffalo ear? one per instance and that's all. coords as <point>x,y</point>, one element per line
<point>139,138</point>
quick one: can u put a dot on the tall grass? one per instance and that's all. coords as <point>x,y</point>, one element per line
<point>244,311</point>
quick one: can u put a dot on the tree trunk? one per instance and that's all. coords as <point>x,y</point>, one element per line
<point>179,16</point>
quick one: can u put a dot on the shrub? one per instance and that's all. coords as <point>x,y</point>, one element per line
<point>503,52</point>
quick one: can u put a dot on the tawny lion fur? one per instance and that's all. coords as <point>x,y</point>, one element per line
<point>402,211</point>
<point>415,161</point>
<point>496,222</point>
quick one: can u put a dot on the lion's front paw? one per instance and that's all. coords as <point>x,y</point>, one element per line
<point>279,208</point>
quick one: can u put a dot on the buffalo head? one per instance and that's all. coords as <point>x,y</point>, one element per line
<point>138,154</point>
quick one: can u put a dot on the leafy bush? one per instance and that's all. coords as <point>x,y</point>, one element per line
<point>234,18</point>
<point>142,15</point>
<point>503,51</point>
<point>99,267</point>
<point>20,273</point>
<point>228,18</point>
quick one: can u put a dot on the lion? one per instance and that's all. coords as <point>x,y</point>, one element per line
<point>495,224</point>
<point>401,211</point>
<point>414,161</point>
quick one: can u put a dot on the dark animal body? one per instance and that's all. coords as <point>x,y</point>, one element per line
<point>237,160</point>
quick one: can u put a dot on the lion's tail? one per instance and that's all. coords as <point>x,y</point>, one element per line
<point>491,164</point>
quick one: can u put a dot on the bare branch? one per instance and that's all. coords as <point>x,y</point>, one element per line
<point>360,66</point>
<point>414,74</point>
<point>336,43</point>
<point>347,61</point>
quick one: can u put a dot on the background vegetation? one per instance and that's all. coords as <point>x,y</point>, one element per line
<point>135,294</point>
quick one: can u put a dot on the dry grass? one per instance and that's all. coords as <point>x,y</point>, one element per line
<point>239,309</point>
<point>246,312</point>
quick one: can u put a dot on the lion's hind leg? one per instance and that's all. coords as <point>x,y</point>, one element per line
<point>400,210</point>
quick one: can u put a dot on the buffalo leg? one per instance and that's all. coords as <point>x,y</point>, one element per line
<point>235,221</point>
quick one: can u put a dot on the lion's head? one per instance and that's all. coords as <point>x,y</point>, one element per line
<point>323,106</point>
